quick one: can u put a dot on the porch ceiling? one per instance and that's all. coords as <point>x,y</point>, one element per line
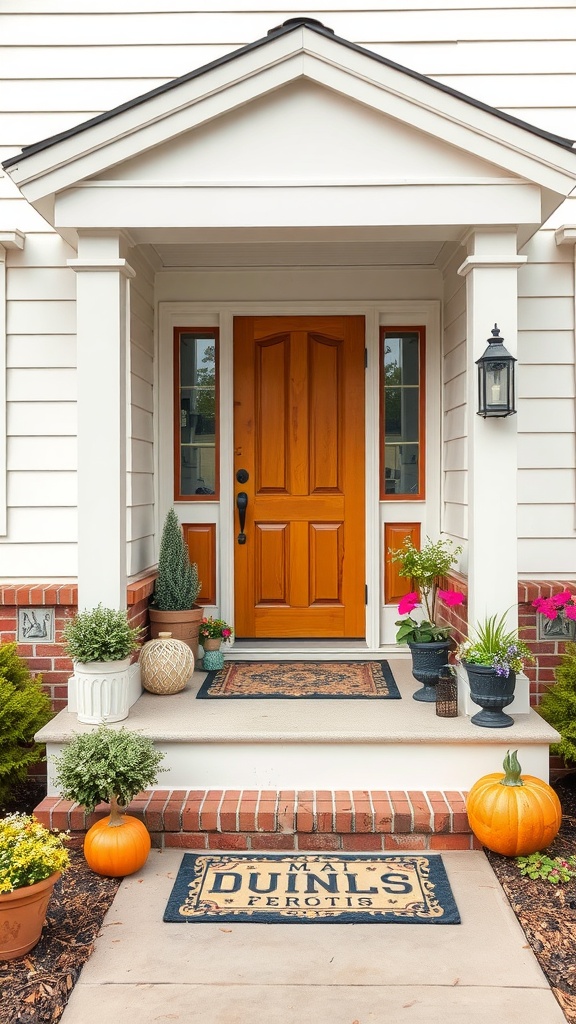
<point>337,253</point>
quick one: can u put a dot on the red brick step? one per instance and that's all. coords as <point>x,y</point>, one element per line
<point>286,820</point>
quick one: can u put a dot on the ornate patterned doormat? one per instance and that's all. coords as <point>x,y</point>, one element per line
<point>312,679</point>
<point>312,889</point>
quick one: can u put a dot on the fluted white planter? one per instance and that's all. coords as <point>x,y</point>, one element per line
<point>102,691</point>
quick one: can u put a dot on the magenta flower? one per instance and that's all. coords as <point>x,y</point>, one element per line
<point>408,603</point>
<point>451,597</point>
<point>570,611</point>
<point>546,607</point>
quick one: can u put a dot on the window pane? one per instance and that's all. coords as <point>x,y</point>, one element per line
<point>197,414</point>
<point>401,360</point>
<point>401,467</point>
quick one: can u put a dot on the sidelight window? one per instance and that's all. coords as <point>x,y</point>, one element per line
<point>195,414</point>
<point>402,413</point>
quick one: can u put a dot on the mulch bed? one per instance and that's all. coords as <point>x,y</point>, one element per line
<point>547,912</point>
<point>36,988</point>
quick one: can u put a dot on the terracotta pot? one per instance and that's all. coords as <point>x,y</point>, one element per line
<point>212,643</point>
<point>22,915</point>
<point>184,625</point>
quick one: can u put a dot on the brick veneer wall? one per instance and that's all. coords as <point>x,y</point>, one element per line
<point>49,659</point>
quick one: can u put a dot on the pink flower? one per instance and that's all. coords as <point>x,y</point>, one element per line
<point>408,603</point>
<point>570,611</point>
<point>451,597</point>
<point>226,632</point>
<point>546,607</point>
<point>560,600</point>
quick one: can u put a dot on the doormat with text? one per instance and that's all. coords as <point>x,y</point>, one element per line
<point>312,888</point>
<point>311,679</point>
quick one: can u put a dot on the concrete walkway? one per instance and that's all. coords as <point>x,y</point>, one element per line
<point>144,971</point>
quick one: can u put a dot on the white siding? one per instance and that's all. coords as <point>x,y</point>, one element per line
<point>454,455</point>
<point>140,421</point>
<point>61,62</point>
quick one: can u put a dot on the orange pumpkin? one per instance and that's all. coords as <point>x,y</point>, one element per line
<point>513,815</point>
<point>117,849</point>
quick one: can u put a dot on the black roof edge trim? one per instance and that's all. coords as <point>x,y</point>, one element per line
<point>288,26</point>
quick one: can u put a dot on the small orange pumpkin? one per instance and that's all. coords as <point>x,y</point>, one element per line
<point>513,815</point>
<point>117,848</point>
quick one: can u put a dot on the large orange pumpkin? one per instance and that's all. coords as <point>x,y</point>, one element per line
<point>117,849</point>
<point>513,815</point>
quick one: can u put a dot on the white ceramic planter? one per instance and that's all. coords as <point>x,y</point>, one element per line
<point>102,691</point>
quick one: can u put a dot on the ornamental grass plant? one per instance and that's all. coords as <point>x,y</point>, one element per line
<point>494,645</point>
<point>29,852</point>
<point>100,634</point>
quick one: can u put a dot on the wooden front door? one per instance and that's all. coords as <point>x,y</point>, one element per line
<point>299,435</point>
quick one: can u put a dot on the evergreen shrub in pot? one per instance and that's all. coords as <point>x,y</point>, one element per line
<point>173,607</point>
<point>111,766</point>
<point>100,642</point>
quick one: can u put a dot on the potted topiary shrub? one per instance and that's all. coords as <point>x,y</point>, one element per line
<point>111,766</point>
<point>100,642</point>
<point>31,861</point>
<point>173,607</point>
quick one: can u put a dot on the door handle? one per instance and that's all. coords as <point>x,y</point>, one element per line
<point>241,505</point>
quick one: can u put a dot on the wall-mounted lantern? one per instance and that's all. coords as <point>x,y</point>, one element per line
<point>496,379</point>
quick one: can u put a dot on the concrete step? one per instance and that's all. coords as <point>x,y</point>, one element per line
<point>302,745</point>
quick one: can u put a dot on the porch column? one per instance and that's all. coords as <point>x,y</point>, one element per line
<point>103,309</point>
<point>491,271</point>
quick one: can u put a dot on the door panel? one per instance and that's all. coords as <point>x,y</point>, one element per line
<point>299,433</point>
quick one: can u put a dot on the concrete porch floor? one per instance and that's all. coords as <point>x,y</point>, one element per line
<point>144,971</point>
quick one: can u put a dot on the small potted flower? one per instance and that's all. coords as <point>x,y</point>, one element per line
<point>214,633</point>
<point>429,642</point>
<point>31,861</point>
<point>559,611</point>
<point>492,656</point>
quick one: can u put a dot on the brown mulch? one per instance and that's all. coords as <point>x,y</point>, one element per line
<point>547,912</point>
<point>36,988</point>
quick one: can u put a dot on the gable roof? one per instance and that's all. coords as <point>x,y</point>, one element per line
<point>281,30</point>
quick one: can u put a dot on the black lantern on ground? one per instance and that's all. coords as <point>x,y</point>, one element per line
<point>496,385</point>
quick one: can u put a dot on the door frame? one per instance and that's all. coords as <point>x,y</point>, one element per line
<point>221,314</point>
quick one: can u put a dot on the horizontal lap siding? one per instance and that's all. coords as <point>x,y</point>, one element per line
<point>140,527</point>
<point>62,63</point>
<point>454,443</point>
<point>546,396</point>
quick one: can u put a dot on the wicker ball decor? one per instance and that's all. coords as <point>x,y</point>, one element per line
<point>166,664</point>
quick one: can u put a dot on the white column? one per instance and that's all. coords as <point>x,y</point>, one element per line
<point>103,310</point>
<point>491,271</point>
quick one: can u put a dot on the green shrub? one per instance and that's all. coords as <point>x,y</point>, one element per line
<point>24,709</point>
<point>177,585</point>
<point>101,634</point>
<point>105,765</point>
<point>558,705</point>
